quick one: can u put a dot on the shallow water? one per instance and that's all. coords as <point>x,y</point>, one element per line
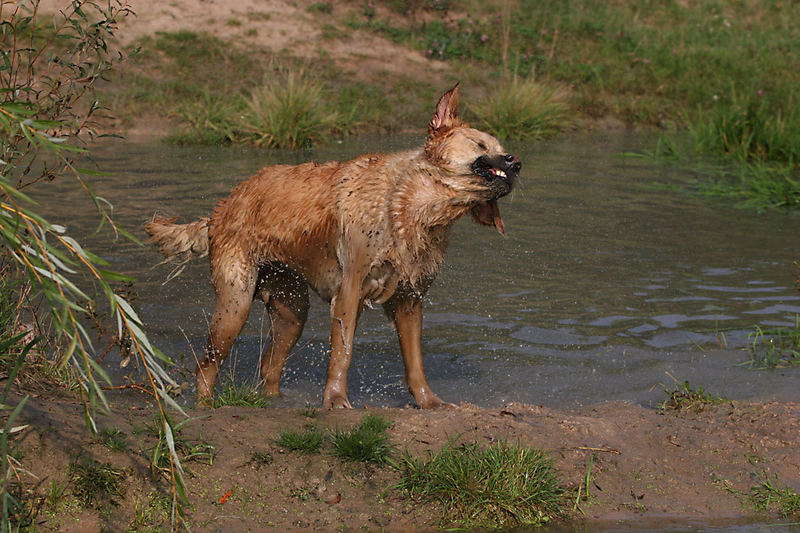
<point>604,288</point>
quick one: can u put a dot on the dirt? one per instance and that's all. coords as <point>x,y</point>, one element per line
<point>647,466</point>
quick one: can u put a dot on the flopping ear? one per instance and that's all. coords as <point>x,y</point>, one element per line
<point>446,115</point>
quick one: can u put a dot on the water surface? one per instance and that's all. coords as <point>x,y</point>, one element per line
<point>604,288</point>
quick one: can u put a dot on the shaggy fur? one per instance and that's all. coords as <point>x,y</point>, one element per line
<point>372,230</point>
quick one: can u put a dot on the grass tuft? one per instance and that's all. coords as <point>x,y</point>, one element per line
<point>686,398</point>
<point>774,348</point>
<point>96,483</point>
<point>367,442</point>
<point>768,498</point>
<point>308,441</point>
<point>288,112</point>
<point>500,486</point>
<point>242,395</point>
<point>113,439</point>
<point>523,109</point>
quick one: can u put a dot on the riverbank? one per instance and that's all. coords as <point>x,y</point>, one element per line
<point>641,465</point>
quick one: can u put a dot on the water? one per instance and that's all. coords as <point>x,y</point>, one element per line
<point>604,288</point>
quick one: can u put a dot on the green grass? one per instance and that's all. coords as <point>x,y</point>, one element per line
<point>308,441</point>
<point>151,516</point>
<point>500,486</point>
<point>242,395</point>
<point>686,398</point>
<point>367,442</point>
<point>289,111</point>
<point>766,498</point>
<point>524,109</point>
<point>113,439</point>
<point>96,484</point>
<point>185,448</point>
<point>774,348</point>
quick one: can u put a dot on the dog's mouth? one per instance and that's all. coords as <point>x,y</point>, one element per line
<point>499,173</point>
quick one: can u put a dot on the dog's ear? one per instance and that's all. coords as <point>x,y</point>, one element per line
<point>446,115</point>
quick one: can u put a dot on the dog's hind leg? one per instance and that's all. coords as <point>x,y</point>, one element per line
<point>406,314</point>
<point>286,295</point>
<point>234,296</point>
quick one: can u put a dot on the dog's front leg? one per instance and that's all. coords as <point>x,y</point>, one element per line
<point>345,308</point>
<point>406,313</point>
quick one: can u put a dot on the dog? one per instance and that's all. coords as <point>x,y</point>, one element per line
<point>372,230</point>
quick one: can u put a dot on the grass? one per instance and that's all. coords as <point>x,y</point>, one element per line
<point>524,109</point>
<point>767,498</point>
<point>583,494</point>
<point>686,398</point>
<point>308,441</point>
<point>151,516</point>
<point>113,439</point>
<point>367,442</point>
<point>242,395</point>
<point>186,449</point>
<point>96,484</point>
<point>500,486</point>
<point>288,111</point>
<point>774,348</point>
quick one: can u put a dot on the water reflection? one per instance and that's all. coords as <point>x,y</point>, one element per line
<point>603,284</point>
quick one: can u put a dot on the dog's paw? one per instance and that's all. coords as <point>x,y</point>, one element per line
<point>435,403</point>
<point>337,402</point>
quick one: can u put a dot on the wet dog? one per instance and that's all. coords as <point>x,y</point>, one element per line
<point>372,230</point>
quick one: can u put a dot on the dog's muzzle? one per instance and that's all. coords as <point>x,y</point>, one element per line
<point>500,172</point>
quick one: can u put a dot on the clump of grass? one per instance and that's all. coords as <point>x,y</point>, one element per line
<point>185,449</point>
<point>95,483</point>
<point>113,439</point>
<point>755,186</point>
<point>367,442</point>
<point>749,126</point>
<point>210,119</point>
<point>686,398</point>
<point>309,411</point>
<point>774,348</point>
<point>289,112</point>
<point>500,486</point>
<point>523,109</point>
<point>308,441</point>
<point>260,458</point>
<point>768,498</point>
<point>151,516</point>
<point>242,395</point>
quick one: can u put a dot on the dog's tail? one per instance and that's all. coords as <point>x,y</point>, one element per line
<point>179,243</point>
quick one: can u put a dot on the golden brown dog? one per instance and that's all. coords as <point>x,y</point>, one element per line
<point>370,230</point>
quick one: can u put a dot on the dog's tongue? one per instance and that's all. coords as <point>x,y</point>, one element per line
<point>488,214</point>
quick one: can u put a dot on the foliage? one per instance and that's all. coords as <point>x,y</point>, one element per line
<point>288,112</point>
<point>684,398</point>
<point>500,486</point>
<point>523,109</point>
<point>243,395</point>
<point>113,439</point>
<point>96,483</point>
<point>161,455</point>
<point>774,348</point>
<point>307,441</point>
<point>367,442</point>
<point>766,497</point>
<point>47,112</point>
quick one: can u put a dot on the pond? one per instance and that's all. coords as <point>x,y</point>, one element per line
<point>606,288</point>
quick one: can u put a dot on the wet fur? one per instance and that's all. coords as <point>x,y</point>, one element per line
<point>372,230</point>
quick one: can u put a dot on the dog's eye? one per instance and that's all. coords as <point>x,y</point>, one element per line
<point>482,146</point>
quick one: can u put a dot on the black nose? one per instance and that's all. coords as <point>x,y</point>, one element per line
<point>512,161</point>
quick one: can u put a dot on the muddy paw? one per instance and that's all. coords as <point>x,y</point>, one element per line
<point>435,403</point>
<point>337,402</point>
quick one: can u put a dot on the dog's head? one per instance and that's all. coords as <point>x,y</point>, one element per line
<point>472,162</point>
